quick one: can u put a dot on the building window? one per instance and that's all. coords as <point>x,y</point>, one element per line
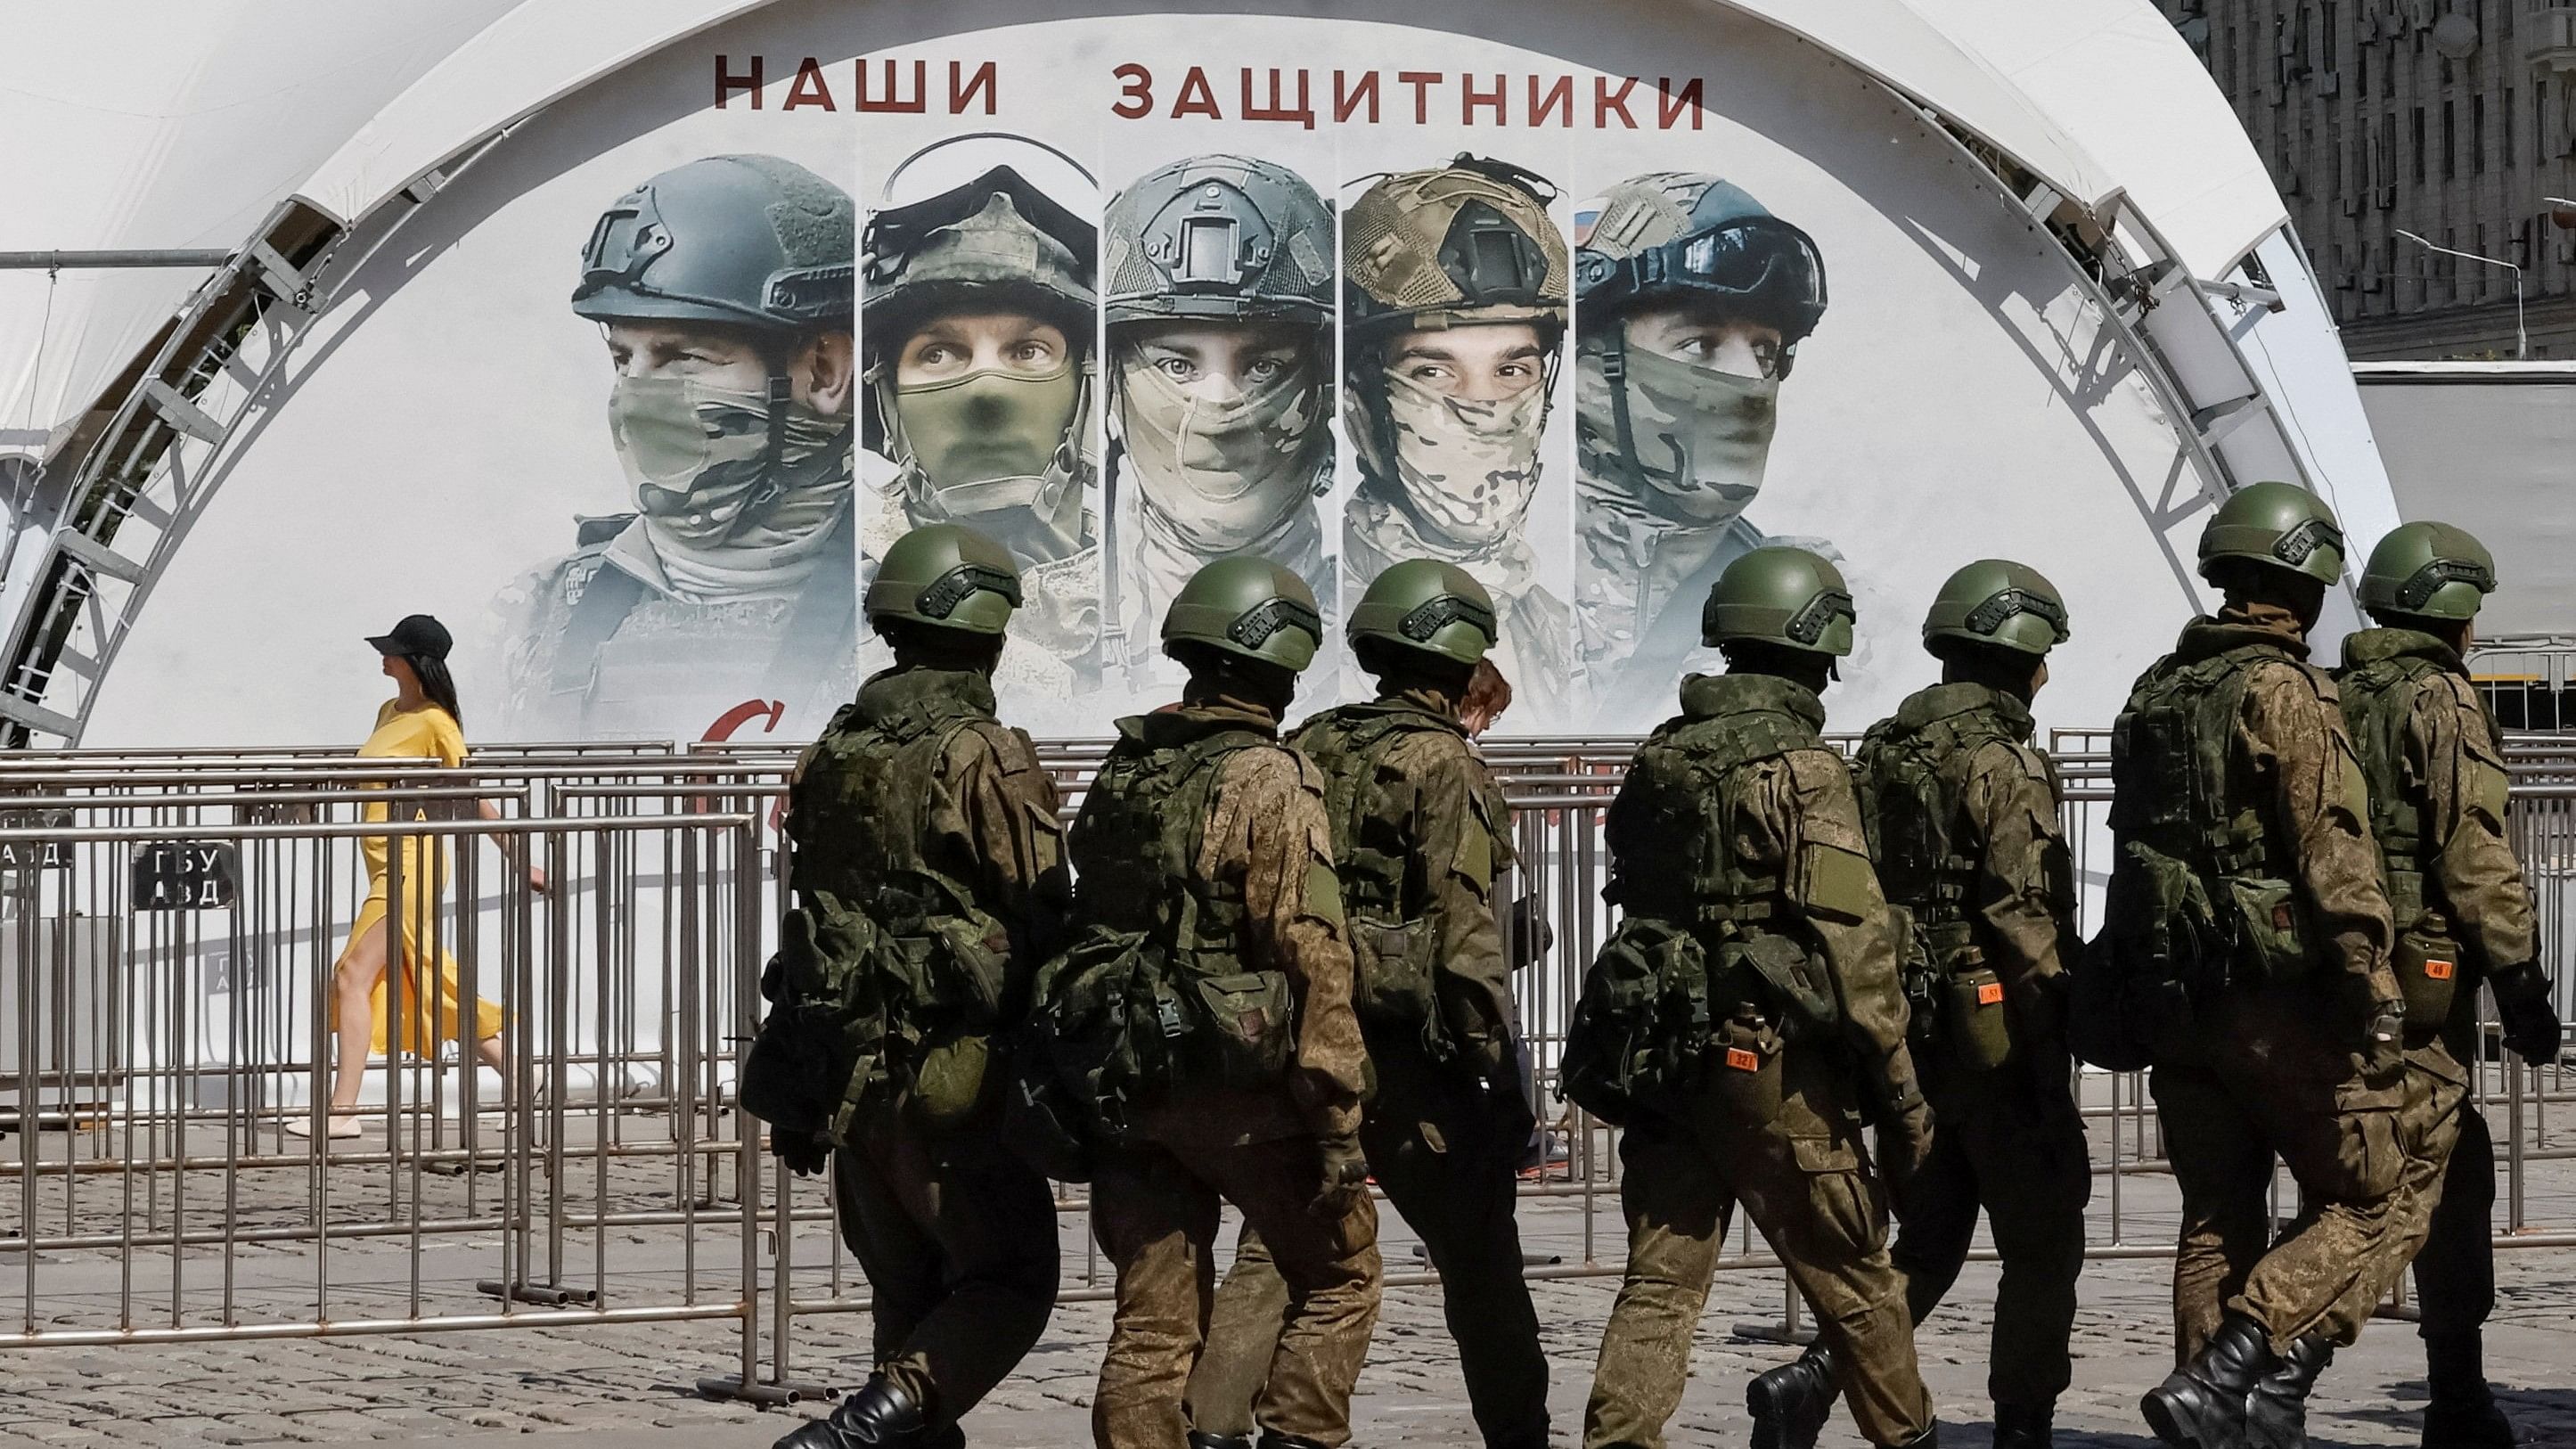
<point>2361,70</point>
<point>2388,71</point>
<point>2450,265</point>
<point>2477,135</point>
<point>2450,142</point>
<point>2419,143</point>
<point>2522,243</point>
<point>2504,133</point>
<point>2479,246</point>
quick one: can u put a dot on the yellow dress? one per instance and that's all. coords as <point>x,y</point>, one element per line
<point>425,733</point>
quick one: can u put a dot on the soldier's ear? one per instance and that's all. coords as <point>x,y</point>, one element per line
<point>826,371</point>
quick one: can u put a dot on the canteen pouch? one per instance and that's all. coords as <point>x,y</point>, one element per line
<point>2428,970</point>
<point>1247,1027</point>
<point>1743,1070</point>
<point>2271,930</point>
<point>1392,986</point>
<point>1778,972</point>
<point>1975,1019</point>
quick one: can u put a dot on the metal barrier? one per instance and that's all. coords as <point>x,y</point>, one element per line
<point>162,1018</point>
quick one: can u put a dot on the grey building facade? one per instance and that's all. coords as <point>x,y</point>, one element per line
<point>2454,120</point>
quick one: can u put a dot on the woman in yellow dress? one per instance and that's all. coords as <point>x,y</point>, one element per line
<point>419,722</point>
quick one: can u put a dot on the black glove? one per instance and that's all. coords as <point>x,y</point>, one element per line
<point>1510,1118</point>
<point>2531,1026</point>
<point>1904,1146</point>
<point>1345,1177</point>
<point>803,1152</point>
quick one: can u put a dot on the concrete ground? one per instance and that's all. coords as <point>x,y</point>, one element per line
<point>634,1386</point>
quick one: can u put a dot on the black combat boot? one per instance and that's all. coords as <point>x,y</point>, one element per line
<point>2463,1414</point>
<point>2202,1404</point>
<point>2276,1413</point>
<point>2025,1426</point>
<point>1791,1403</point>
<point>880,1416</point>
<point>1273,1439</point>
<point>1201,1439</point>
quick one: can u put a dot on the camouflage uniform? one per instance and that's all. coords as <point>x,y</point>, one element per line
<point>2262,1067</point>
<point>916,781</point>
<point>1257,853</point>
<point>2000,899</point>
<point>2439,782</point>
<point>1449,1121</point>
<point>1775,1122</point>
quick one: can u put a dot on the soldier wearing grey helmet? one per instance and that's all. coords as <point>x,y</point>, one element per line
<point>977,316</point>
<point>1220,311</point>
<point>1454,298</point>
<point>1692,299</point>
<point>723,291</point>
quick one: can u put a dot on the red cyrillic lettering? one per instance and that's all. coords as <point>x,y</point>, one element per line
<point>1559,100</point>
<point>1422,81</point>
<point>808,88</point>
<point>1604,101</point>
<point>1668,104</point>
<point>1469,98</point>
<point>727,82</point>
<point>894,100</point>
<point>1135,89</point>
<point>1347,102</point>
<point>962,87</point>
<point>1304,110</point>
<point>1197,98</point>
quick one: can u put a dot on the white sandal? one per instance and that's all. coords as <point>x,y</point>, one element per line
<point>338,1127</point>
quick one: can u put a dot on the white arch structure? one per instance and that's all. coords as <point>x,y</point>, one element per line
<point>2092,112</point>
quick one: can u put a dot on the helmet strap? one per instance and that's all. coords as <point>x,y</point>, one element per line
<point>1614,370</point>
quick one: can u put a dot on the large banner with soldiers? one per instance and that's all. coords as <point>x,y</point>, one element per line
<point>1584,309</point>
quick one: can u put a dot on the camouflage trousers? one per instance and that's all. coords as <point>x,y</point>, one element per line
<point>1785,1143</point>
<point>1445,1168</point>
<point>2008,1141</point>
<point>1154,1208</point>
<point>2455,1270</point>
<point>2367,1154</point>
<point>958,1242</point>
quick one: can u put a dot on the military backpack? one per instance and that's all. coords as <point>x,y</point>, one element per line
<point>886,959</point>
<point>1707,965</point>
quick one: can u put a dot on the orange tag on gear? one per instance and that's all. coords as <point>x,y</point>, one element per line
<point>2439,970</point>
<point>1991,994</point>
<point>1742,1060</point>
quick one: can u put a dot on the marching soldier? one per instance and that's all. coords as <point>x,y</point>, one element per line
<point>1203,1019</point>
<point>929,881</point>
<point>2462,912</point>
<point>2246,954</point>
<point>1746,1017</point>
<point>1962,815</point>
<point>1419,831</point>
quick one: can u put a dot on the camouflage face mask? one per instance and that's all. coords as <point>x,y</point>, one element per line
<point>1223,473</point>
<point>693,452</point>
<point>988,425</point>
<point>1701,436</point>
<point>1468,469</point>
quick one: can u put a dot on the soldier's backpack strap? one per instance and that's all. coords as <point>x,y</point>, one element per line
<point>606,599</point>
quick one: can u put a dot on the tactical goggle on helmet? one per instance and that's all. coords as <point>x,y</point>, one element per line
<point>1000,239</point>
<point>1219,236</point>
<point>1677,236</point>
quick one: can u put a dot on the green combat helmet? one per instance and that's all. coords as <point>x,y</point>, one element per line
<point>2277,525</point>
<point>1999,604</point>
<point>1250,608</point>
<point>2427,571</point>
<point>1437,608</point>
<point>749,241</point>
<point>946,576</point>
<point>1784,596</point>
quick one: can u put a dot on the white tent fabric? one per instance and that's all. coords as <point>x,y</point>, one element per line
<point>167,126</point>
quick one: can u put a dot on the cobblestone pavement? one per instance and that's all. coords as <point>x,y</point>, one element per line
<point>634,1385</point>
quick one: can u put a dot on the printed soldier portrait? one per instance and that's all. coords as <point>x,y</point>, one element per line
<point>1454,301</point>
<point>1219,305</point>
<point>977,313</point>
<point>1690,301</point>
<point>722,292</point>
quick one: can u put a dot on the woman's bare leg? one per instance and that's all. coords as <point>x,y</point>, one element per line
<point>353,981</point>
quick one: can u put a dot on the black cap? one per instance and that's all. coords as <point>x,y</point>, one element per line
<point>417,634</point>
